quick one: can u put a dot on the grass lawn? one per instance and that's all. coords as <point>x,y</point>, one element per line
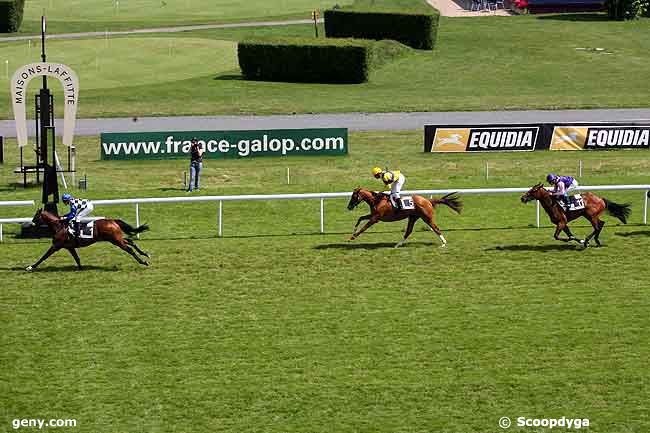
<point>71,16</point>
<point>483,63</point>
<point>277,328</point>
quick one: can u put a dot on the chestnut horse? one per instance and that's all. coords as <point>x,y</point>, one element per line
<point>594,207</point>
<point>381,209</point>
<point>105,230</point>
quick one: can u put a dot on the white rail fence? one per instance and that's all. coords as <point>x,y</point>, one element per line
<point>323,196</point>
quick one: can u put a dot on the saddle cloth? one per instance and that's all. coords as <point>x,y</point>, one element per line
<point>407,203</point>
<point>86,230</point>
<point>575,202</point>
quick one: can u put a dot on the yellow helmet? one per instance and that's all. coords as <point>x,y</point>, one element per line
<point>376,171</point>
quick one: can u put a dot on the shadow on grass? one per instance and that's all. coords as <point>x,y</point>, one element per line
<point>229,77</point>
<point>636,233</point>
<point>538,248</point>
<point>368,246</point>
<point>589,17</point>
<point>18,186</point>
<point>65,268</point>
<point>181,189</point>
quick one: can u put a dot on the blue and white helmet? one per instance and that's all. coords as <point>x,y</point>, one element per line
<point>551,177</point>
<point>66,197</point>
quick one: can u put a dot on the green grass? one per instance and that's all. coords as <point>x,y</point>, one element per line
<point>277,328</point>
<point>483,63</point>
<point>71,16</point>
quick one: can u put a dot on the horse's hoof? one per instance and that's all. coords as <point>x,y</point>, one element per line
<point>145,263</point>
<point>29,268</point>
<point>352,238</point>
<point>443,246</point>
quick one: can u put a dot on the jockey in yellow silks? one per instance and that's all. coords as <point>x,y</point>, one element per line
<point>393,180</point>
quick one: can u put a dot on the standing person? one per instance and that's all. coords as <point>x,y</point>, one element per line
<point>79,208</point>
<point>196,165</point>
<point>394,180</point>
<point>562,186</point>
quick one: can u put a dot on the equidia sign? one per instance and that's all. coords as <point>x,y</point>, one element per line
<point>528,137</point>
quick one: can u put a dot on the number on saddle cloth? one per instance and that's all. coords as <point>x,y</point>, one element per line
<point>86,230</point>
<point>575,202</point>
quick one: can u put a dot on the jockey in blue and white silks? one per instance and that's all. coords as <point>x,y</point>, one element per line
<point>79,208</point>
<point>562,186</point>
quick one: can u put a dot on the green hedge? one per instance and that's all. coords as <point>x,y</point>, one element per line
<point>11,15</point>
<point>413,29</point>
<point>625,9</point>
<point>313,60</point>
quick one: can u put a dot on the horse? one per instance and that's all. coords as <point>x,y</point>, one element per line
<point>594,207</point>
<point>381,209</point>
<point>105,230</point>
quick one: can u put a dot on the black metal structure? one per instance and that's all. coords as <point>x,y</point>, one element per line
<point>45,150</point>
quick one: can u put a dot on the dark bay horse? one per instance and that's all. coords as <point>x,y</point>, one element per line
<point>381,209</point>
<point>594,207</point>
<point>105,230</point>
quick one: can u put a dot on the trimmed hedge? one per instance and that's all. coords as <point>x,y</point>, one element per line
<point>625,9</point>
<point>413,29</point>
<point>11,15</point>
<point>313,60</point>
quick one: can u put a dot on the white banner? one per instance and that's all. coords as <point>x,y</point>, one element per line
<point>68,79</point>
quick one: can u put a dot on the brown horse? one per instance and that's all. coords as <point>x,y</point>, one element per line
<point>594,207</point>
<point>105,230</point>
<point>381,209</point>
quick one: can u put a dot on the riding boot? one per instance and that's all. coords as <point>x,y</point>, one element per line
<point>398,204</point>
<point>567,203</point>
<point>77,230</point>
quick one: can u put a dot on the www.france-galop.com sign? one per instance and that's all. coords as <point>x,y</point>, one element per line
<point>225,144</point>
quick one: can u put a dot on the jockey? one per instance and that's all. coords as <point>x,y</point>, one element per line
<point>79,208</point>
<point>394,180</point>
<point>562,186</point>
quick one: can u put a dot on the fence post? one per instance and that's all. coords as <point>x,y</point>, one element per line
<point>137,217</point>
<point>219,218</point>
<point>537,211</point>
<point>1,233</point>
<point>322,215</point>
<point>645,207</point>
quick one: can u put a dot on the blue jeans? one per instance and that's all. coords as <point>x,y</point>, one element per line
<point>195,172</point>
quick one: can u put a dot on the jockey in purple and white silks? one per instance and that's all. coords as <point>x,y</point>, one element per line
<point>79,208</point>
<point>562,186</point>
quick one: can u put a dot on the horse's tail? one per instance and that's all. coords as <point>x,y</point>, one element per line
<point>126,228</point>
<point>452,200</point>
<point>620,211</point>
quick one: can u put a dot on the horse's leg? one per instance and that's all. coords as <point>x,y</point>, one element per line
<point>437,230</point>
<point>122,244</point>
<point>595,223</point>
<point>370,222</point>
<point>559,228</point>
<point>135,247</point>
<point>567,230</point>
<point>75,256</point>
<point>53,249</point>
<point>363,218</point>
<point>409,229</point>
<point>601,224</point>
